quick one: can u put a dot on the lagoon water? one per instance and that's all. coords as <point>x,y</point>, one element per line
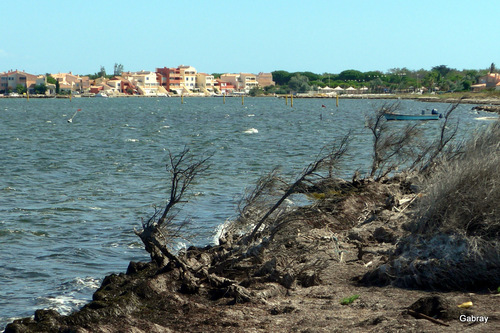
<point>72,193</point>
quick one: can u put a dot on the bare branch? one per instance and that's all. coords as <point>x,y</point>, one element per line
<point>430,153</point>
<point>157,232</point>
<point>389,147</point>
<point>332,157</point>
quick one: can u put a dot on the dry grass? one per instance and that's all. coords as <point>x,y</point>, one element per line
<point>454,242</point>
<point>463,195</point>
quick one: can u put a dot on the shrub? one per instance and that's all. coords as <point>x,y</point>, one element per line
<point>463,194</point>
<point>454,242</point>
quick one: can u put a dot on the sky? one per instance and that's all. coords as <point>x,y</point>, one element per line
<point>320,36</point>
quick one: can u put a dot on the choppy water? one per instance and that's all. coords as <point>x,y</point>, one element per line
<point>72,193</point>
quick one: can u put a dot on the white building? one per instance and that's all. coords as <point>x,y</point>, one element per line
<point>144,80</point>
<point>188,77</point>
<point>242,81</point>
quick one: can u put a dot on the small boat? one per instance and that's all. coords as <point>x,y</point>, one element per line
<point>434,115</point>
<point>101,94</point>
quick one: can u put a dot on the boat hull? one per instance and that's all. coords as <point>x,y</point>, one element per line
<point>393,116</point>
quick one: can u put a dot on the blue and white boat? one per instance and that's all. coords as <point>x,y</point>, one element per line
<point>434,115</point>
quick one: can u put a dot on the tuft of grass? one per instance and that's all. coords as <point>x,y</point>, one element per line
<point>463,195</point>
<point>349,300</point>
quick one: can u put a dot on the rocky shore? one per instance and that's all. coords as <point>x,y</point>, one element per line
<point>296,282</point>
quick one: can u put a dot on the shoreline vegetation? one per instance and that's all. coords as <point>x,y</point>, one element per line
<point>413,249</point>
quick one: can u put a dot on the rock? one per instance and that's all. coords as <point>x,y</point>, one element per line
<point>436,307</point>
<point>135,267</point>
<point>309,279</point>
<point>384,235</point>
<point>41,315</point>
<point>359,234</point>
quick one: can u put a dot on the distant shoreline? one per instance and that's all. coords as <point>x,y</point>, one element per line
<point>421,98</point>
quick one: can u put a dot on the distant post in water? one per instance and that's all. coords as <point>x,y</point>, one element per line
<point>337,100</point>
<point>242,100</point>
<point>223,98</point>
<point>182,98</point>
<point>286,99</point>
<point>291,100</point>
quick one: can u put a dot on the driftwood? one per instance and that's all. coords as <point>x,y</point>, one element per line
<point>423,316</point>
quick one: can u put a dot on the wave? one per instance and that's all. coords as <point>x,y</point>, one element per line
<point>251,131</point>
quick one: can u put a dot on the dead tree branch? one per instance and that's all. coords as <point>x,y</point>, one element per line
<point>329,159</point>
<point>157,233</point>
<point>437,148</point>
<point>390,149</point>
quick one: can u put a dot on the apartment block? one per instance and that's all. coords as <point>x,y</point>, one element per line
<point>205,82</point>
<point>10,80</point>
<point>265,79</point>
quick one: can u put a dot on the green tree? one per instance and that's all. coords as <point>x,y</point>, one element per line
<point>299,83</point>
<point>102,72</point>
<point>281,77</point>
<point>430,80</point>
<point>442,70</point>
<point>310,75</point>
<point>20,89</point>
<point>50,79</point>
<point>256,91</point>
<point>58,87</point>
<point>118,70</point>
<point>40,89</point>
<point>351,75</point>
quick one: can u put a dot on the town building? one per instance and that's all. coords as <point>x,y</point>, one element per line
<point>9,81</point>
<point>223,87</point>
<point>188,78</point>
<point>42,80</point>
<point>145,81</point>
<point>265,79</point>
<point>248,81</point>
<point>489,81</point>
<point>242,81</point>
<point>170,79</point>
<point>181,80</point>
<point>232,79</point>
<point>205,83</point>
<point>70,82</point>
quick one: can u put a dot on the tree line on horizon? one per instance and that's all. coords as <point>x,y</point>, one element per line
<point>439,78</point>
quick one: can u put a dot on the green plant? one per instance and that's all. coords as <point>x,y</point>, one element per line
<point>349,300</point>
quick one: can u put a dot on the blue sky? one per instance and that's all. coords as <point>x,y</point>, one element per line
<point>248,36</point>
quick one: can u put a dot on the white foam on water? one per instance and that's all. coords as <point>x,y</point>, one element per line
<point>62,304</point>
<point>71,299</point>
<point>486,118</point>
<point>251,131</point>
